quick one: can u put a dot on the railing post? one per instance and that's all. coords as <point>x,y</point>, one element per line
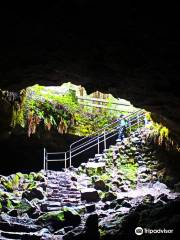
<point>70,157</point>
<point>65,160</point>
<point>44,164</point>
<point>98,144</point>
<point>104,139</point>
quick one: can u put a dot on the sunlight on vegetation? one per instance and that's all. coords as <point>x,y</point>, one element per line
<point>161,135</point>
<point>66,108</point>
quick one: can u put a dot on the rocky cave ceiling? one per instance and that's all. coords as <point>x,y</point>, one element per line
<point>129,51</point>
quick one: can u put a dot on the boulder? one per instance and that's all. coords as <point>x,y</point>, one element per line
<point>92,227</point>
<point>59,219</point>
<point>126,204</point>
<point>89,195</point>
<point>163,197</point>
<point>33,193</point>
<point>90,207</point>
<point>25,207</point>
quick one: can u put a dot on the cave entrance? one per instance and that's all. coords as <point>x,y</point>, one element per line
<point>67,109</point>
<point>56,116</point>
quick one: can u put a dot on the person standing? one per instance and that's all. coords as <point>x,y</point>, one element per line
<point>121,128</point>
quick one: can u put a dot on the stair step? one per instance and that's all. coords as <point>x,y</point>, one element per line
<point>51,209</point>
<point>54,199</point>
<point>98,155</point>
<point>91,159</point>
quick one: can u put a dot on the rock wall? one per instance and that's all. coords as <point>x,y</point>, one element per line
<point>132,54</point>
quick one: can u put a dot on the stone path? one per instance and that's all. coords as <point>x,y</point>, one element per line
<point>61,191</point>
<point>98,190</point>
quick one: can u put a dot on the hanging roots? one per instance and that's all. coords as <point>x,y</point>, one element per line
<point>33,122</point>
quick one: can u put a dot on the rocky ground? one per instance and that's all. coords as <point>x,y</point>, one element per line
<point>105,198</point>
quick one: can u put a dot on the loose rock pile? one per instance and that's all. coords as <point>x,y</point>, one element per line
<point>105,198</point>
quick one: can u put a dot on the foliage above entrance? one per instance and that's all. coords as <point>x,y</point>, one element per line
<point>59,108</point>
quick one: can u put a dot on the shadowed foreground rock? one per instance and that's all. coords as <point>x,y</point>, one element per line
<point>76,204</point>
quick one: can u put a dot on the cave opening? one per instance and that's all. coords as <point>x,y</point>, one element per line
<point>115,156</point>
<point>53,117</point>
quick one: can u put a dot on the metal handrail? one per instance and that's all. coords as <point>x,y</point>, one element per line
<point>105,127</point>
<point>95,137</point>
<point>102,101</point>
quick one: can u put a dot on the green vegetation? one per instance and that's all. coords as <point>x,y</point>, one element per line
<point>129,171</point>
<point>102,233</point>
<point>161,136</point>
<point>160,132</point>
<point>12,184</point>
<point>105,177</point>
<point>63,216</point>
<point>41,106</point>
<point>59,108</point>
<point>56,215</point>
<point>20,181</point>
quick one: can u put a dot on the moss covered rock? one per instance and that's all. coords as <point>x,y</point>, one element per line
<point>59,219</point>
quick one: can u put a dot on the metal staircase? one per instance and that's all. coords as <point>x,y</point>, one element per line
<point>134,121</point>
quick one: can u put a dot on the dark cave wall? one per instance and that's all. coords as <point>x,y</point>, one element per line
<point>130,51</point>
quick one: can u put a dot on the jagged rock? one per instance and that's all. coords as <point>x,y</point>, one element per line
<point>106,206</point>
<point>33,193</point>
<point>113,204</point>
<point>89,195</point>
<point>13,213</point>
<point>163,197</point>
<point>90,207</point>
<point>8,223</point>
<point>166,216</point>
<point>120,200</point>
<point>92,227</point>
<point>126,204</point>
<point>25,207</point>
